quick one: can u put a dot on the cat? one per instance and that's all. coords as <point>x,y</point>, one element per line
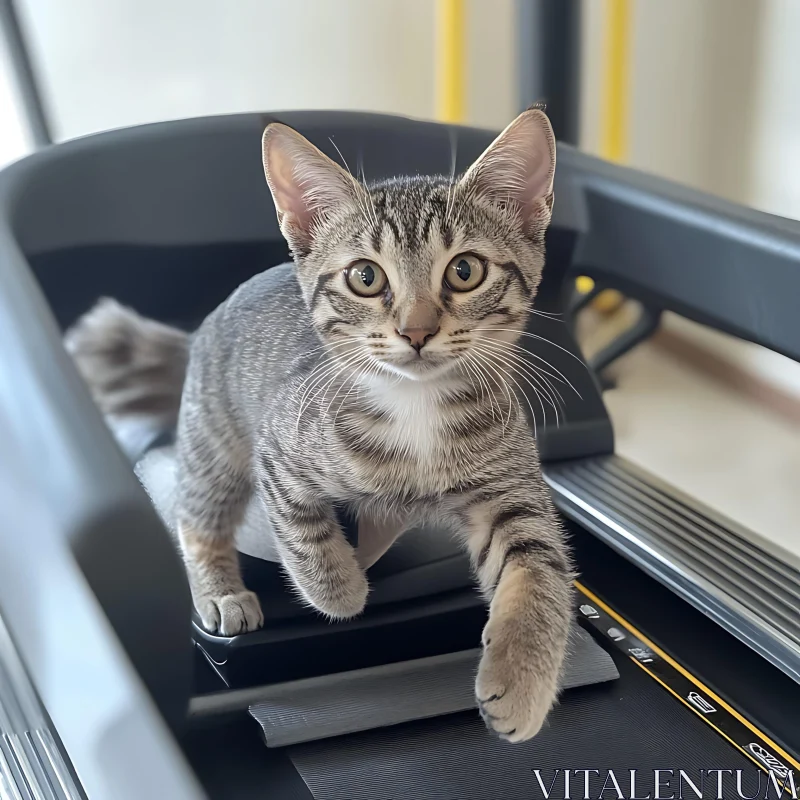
<point>369,373</point>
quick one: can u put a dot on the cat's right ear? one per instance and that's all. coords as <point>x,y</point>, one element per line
<point>307,187</point>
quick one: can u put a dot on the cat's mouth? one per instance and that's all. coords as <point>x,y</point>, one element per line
<point>419,366</point>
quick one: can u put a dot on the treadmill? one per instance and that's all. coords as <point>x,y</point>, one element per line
<point>685,676</point>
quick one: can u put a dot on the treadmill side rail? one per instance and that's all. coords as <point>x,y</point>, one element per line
<point>751,592</point>
<point>676,249</point>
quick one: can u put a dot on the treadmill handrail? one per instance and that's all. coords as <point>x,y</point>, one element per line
<point>59,441</point>
<point>713,261</point>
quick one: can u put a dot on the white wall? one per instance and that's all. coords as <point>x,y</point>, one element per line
<point>591,74</point>
<point>491,63</point>
<point>108,63</point>
<point>714,95</point>
<point>693,89</point>
<point>776,146</point>
<point>14,137</point>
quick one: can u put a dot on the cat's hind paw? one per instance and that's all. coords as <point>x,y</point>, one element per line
<point>230,614</point>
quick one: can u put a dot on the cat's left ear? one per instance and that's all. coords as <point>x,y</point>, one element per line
<point>518,168</point>
<point>307,187</point>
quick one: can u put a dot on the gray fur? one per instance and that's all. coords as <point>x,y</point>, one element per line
<point>304,393</point>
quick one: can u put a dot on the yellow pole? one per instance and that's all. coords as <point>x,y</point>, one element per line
<point>614,112</point>
<point>616,68</point>
<point>450,50</point>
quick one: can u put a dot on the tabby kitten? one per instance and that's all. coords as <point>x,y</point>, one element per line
<point>369,374</point>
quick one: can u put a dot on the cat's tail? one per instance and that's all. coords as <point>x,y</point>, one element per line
<point>135,369</point>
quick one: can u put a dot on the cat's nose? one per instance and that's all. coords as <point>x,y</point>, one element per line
<point>417,337</point>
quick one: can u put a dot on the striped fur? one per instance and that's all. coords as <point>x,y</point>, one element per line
<point>304,393</point>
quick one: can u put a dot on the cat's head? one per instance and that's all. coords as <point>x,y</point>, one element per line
<point>413,276</point>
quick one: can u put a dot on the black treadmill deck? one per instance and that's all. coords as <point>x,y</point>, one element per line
<point>706,704</point>
<point>658,726</point>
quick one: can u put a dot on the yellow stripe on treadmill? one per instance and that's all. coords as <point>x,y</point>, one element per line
<point>699,684</point>
<point>451,66</point>
<point>704,718</point>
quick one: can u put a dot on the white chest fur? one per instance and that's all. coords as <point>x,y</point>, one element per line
<point>414,416</point>
<point>406,447</point>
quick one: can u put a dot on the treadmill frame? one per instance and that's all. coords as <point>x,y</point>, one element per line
<point>710,260</point>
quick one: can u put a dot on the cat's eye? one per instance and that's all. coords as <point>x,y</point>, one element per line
<point>465,273</point>
<point>366,278</point>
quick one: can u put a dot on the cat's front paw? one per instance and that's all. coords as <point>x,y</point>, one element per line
<point>517,680</point>
<point>230,614</point>
<point>339,595</point>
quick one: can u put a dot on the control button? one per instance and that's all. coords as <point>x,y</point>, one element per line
<point>700,703</point>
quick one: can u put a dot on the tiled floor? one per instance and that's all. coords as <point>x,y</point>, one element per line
<point>736,457</point>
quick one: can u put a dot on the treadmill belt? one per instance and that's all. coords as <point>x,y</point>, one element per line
<point>607,730</point>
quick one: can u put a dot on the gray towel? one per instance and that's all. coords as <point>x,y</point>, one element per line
<point>333,705</point>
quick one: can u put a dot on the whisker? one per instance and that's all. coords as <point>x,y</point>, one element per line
<point>325,346</point>
<point>372,207</point>
<point>504,377</point>
<point>361,203</point>
<point>334,364</point>
<point>478,388</point>
<point>526,372</point>
<point>339,389</point>
<point>535,388</point>
<point>542,339</point>
<point>366,188</point>
<point>484,386</point>
<point>517,356</point>
<point>365,371</point>
<point>521,351</point>
<point>453,160</point>
<point>323,392</point>
<point>550,392</point>
<point>321,365</point>
<point>544,360</point>
<point>319,369</point>
<point>344,161</point>
<point>480,391</point>
<point>327,368</point>
<point>504,386</point>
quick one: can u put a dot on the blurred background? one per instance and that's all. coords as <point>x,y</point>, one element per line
<point>704,93</point>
